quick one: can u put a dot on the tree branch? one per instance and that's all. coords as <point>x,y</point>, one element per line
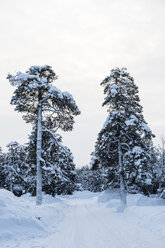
<point>52,134</point>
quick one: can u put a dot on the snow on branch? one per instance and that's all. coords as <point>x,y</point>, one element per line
<point>22,77</point>
<point>54,137</point>
<point>132,121</point>
<point>145,127</point>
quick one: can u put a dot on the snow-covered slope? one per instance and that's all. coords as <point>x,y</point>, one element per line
<point>83,220</point>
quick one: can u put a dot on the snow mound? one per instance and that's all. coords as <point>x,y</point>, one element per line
<point>48,199</point>
<point>19,216</point>
<point>110,194</point>
<point>2,204</point>
<point>6,194</point>
<point>147,201</point>
<point>19,224</point>
<point>6,197</point>
<point>112,199</point>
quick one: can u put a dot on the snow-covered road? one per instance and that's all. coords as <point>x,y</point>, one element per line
<point>81,221</point>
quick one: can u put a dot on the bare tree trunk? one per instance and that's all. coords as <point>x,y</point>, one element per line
<point>39,148</point>
<point>122,181</point>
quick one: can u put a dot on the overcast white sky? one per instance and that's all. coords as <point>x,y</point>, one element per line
<point>83,40</point>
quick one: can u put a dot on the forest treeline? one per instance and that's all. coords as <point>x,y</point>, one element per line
<point>124,155</point>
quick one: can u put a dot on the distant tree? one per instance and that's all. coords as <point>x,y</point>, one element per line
<point>32,161</point>
<point>125,139</point>
<point>1,155</point>
<point>161,169</point>
<point>15,167</point>
<point>42,105</point>
<point>89,179</point>
<point>156,169</point>
<point>2,177</point>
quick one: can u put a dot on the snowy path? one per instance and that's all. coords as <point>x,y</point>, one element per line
<point>86,223</point>
<point>89,225</point>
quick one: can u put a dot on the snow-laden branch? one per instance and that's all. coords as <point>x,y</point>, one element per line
<point>53,136</point>
<point>51,108</point>
<point>125,144</point>
<point>42,160</point>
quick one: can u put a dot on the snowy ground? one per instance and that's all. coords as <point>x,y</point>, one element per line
<point>83,220</point>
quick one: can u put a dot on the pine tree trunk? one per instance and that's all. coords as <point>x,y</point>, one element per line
<point>39,148</point>
<point>122,181</point>
<point>11,187</point>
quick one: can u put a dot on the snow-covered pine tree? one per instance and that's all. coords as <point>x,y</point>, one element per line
<point>156,171</point>
<point>161,164</point>
<point>1,155</point>
<point>15,167</point>
<point>160,172</point>
<point>58,167</point>
<point>2,177</point>
<point>40,101</point>
<point>32,161</point>
<point>89,179</point>
<point>125,139</point>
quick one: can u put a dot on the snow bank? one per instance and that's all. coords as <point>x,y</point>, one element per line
<point>148,201</point>
<point>146,212</point>
<point>108,195</point>
<point>112,196</point>
<point>16,220</point>
<point>21,219</point>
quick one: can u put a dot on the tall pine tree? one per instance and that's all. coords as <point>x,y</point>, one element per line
<point>41,103</point>
<point>125,139</point>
